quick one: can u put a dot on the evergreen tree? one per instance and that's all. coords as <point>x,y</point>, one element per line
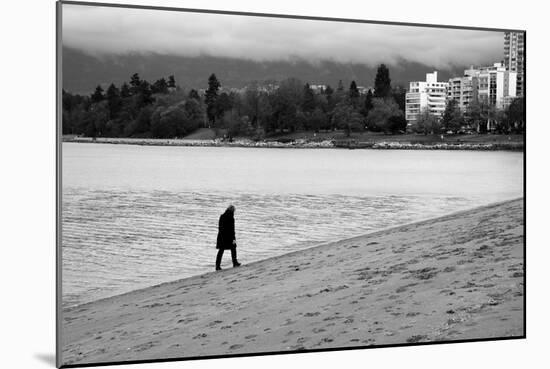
<point>308,104</point>
<point>144,94</point>
<point>399,93</point>
<point>125,90</point>
<point>353,94</point>
<point>171,82</point>
<point>452,117</point>
<point>135,83</point>
<point>223,104</point>
<point>97,96</point>
<point>193,94</point>
<point>515,114</point>
<point>160,87</point>
<point>340,86</point>
<point>210,98</point>
<point>368,103</point>
<point>113,100</point>
<point>382,82</point>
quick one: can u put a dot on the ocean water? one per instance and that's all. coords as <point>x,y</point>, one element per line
<point>135,216</point>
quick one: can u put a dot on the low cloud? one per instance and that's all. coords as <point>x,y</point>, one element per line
<point>102,30</point>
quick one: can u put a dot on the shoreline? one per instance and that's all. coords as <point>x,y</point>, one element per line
<point>340,294</point>
<point>321,244</point>
<point>303,144</point>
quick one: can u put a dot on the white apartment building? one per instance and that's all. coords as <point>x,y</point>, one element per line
<point>495,85</point>
<point>429,94</point>
<point>463,90</point>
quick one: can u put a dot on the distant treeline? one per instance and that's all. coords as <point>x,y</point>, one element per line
<point>163,110</point>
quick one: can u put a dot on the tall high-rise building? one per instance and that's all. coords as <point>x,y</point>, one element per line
<point>514,58</point>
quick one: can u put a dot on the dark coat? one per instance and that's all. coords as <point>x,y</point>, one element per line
<point>226,231</point>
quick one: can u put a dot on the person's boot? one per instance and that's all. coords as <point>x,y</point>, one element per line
<point>236,264</point>
<point>218,268</point>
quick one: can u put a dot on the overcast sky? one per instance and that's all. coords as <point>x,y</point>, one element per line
<point>103,30</point>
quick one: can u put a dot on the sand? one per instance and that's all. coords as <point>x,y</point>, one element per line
<point>457,277</point>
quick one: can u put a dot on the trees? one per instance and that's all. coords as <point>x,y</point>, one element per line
<point>135,83</point>
<point>316,120</point>
<point>346,117</point>
<point>285,103</point>
<point>367,106</point>
<point>142,95</point>
<point>160,87</point>
<point>515,114</point>
<point>399,93</point>
<point>255,104</point>
<point>452,118</point>
<point>171,82</point>
<point>97,96</point>
<point>141,125</point>
<point>384,116</point>
<point>210,98</point>
<point>382,82</point>
<point>177,120</point>
<point>331,103</point>
<point>96,119</point>
<point>237,124</point>
<point>223,104</point>
<point>194,115</point>
<point>193,94</point>
<point>397,124</point>
<point>478,114</point>
<point>165,121</point>
<point>114,100</point>
<point>353,94</point>
<point>125,90</point>
<point>426,123</point>
<point>308,104</point>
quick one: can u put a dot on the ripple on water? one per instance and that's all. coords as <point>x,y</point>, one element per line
<point>115,241</point>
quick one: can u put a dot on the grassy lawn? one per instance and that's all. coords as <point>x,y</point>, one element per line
<point>409,137</point>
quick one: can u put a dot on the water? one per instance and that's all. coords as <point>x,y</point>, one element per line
<point>134,216</point>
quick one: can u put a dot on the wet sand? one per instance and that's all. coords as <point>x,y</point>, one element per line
<point>456,277</point>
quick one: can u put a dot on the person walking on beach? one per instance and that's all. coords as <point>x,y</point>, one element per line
<point>226,237</point>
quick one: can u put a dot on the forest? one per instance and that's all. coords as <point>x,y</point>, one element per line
<point>163,109</point>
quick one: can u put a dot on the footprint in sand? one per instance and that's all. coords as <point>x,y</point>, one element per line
<point>312,314</point>
<point>212,324</point>
<point>143,346</point>
<point>236,346</point>
<point>416,338</point>
<point>289,322</point>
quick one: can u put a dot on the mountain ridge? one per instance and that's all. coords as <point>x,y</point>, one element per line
<point>83,72</point>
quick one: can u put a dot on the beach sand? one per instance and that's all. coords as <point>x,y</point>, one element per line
<point>456,277</point>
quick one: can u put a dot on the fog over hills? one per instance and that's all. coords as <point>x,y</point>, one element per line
<point>82,71</point>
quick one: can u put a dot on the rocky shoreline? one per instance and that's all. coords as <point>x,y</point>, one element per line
<point>304,144</point>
